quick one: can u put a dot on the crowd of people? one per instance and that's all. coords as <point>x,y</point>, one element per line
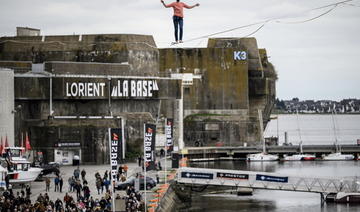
<point>43,203</point>
<point>133,200</point>
<point>83,201</point>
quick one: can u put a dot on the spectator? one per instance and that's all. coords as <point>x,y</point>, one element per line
<point>126,168</point>
<point>106,174</point>
<point>106,184</point>
<point>83,173</point>
<point>78,188</point>
<point>28,191</point>
<point>86,191</point>
<point>47,183</point>
<point>70,181</point>
<point>99,185</point>
<point>61,183</point>
<point>56,182</point>
<point>77,173</point>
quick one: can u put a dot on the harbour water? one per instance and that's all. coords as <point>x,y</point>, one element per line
<point>314,129</point>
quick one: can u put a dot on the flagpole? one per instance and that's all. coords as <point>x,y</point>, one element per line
<point>22,143</point>
<point>166,146</point>
<point>144,170</point>
<point>112,184</point>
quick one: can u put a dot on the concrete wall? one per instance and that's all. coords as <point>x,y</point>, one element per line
<point>221,107</point>
<point>25,31</point>
<point>126,56</point>
<point>229,93</point>
<point>138,51</point>
<point>7,111</point>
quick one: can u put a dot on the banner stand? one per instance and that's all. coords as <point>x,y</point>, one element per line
<point>149,151</point>
<point>116,153</point>
<point>144,169</point>
<point>111,166</point>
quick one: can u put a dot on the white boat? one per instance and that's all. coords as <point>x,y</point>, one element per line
<point>263,156</point>
<point>338,156</point>
<point>19,169</point>
<point>301,156</point>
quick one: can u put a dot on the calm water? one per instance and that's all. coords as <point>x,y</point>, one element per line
<point>277,201</point>
<point>314,129</point>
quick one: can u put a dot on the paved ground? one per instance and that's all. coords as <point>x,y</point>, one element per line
<point>67,171</point>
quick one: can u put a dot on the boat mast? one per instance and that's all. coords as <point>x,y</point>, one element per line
<point>261,129</point>
<point>334,129</point>
<point>298,129</point>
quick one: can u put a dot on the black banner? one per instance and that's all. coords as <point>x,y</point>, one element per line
<point>232,176</point>
<point>271,178</point>
<point>197,175</point>
<point>169,134</point>
<point>149,146</point>
<point>115,150</point>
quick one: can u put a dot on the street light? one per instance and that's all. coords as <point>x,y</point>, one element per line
<point>186,81</point>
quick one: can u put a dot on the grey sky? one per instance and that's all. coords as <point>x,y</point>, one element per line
<point>314,60</point>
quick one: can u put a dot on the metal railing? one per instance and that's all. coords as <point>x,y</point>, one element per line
<point>265,180</point>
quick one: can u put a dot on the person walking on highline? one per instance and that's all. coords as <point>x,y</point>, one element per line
<point>178,17</point>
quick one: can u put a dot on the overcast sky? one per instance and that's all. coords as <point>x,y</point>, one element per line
<point>314,60</point>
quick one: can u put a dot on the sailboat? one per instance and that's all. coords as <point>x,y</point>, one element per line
<point>301,156</point>
<point>263,156</point>
<point>337,155</point>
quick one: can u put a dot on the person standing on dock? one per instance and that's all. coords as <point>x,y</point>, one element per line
<point>178,17</point>
<point>61,183</point>
<point>47,183</point>
<point>83,174</point>
<point>56,182</point>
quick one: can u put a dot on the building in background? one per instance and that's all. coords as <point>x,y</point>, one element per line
<point>7,109</point>
<point>72,88</point>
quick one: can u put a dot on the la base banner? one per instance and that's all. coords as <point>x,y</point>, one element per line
<point>149,146</point>
<point>169,126</point>
<point>116,149</point>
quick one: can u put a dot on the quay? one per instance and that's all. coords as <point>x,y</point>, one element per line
<point>178,184</point>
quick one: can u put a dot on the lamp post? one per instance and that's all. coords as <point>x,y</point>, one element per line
<point>186,80</point>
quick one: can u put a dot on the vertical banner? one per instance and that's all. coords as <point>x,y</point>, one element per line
<point>149,146</point>
<point>116,149</point>
<point>169,126</point>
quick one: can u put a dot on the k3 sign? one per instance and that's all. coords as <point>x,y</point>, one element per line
<point>240,55</point>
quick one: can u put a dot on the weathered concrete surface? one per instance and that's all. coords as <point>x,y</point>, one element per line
<point>220,109</point>
<point>139,51</point>
<point>7,109</point>
<point>85,58</point>
<point>170,201</point>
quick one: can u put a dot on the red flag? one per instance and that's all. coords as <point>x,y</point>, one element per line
<point>27,142</point>
<point>6,142</point>
<point>1,146</point>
